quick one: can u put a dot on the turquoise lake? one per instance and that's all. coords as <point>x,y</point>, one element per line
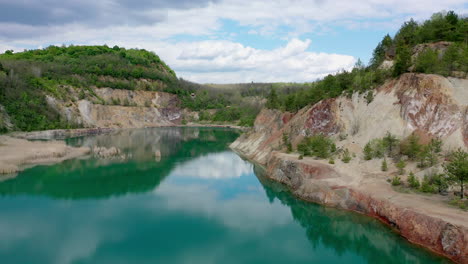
<point>198,203</point>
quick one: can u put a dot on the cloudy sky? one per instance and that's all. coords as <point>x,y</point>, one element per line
<point>221,41</point>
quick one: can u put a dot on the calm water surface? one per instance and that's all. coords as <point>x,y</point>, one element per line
<point>198,203</point>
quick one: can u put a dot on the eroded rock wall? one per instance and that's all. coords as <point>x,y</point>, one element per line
<point>121,109</point>
<point>432,105</point>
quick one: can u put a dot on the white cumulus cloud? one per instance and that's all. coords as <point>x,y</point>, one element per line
<point>219,61</point>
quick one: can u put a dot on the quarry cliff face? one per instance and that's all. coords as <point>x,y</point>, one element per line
<point>430,105</point>
<point>121,109</point>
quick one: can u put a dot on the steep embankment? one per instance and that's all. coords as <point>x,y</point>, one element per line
<point>431,105</point>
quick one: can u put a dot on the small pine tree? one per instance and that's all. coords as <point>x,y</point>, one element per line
<point>368,151</point>
<point>401,167</point>
<point>436,145</point>
<point>272,99</point>
<point>384,165</point>
<point>390,141</point>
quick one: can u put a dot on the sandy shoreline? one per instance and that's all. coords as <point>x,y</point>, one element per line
<point>16,154</point>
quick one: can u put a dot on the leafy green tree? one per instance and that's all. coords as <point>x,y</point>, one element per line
<point>427,61</point>
<point>378,55</point>
<point>403,60</point>
<point>407,33</point>
<point>457,169</point>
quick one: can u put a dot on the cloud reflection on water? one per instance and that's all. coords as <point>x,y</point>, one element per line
<point>223,165</point>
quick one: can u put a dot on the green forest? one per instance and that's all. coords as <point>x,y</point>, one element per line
<point>27,77</point>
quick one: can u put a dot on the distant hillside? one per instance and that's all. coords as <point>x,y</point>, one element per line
<point>27,77</point>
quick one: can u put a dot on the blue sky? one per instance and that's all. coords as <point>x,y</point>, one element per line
<point>221,41</point>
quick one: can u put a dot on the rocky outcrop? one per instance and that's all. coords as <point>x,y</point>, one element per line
<point>121,109</point>
<point>431,105</point>
<point>138,98</point>
<point>108,153</point>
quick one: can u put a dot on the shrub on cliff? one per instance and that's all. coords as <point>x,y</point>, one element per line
<point>384,166</point>
<point>413,182</point>
<point>318,146</point>
<point>396,181</point>
<point>374,149</point>
<point>427,187</point>
<point>346,156</point>
<point>368,151</point>
<point>401,166</point>
<point>411,147</point>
